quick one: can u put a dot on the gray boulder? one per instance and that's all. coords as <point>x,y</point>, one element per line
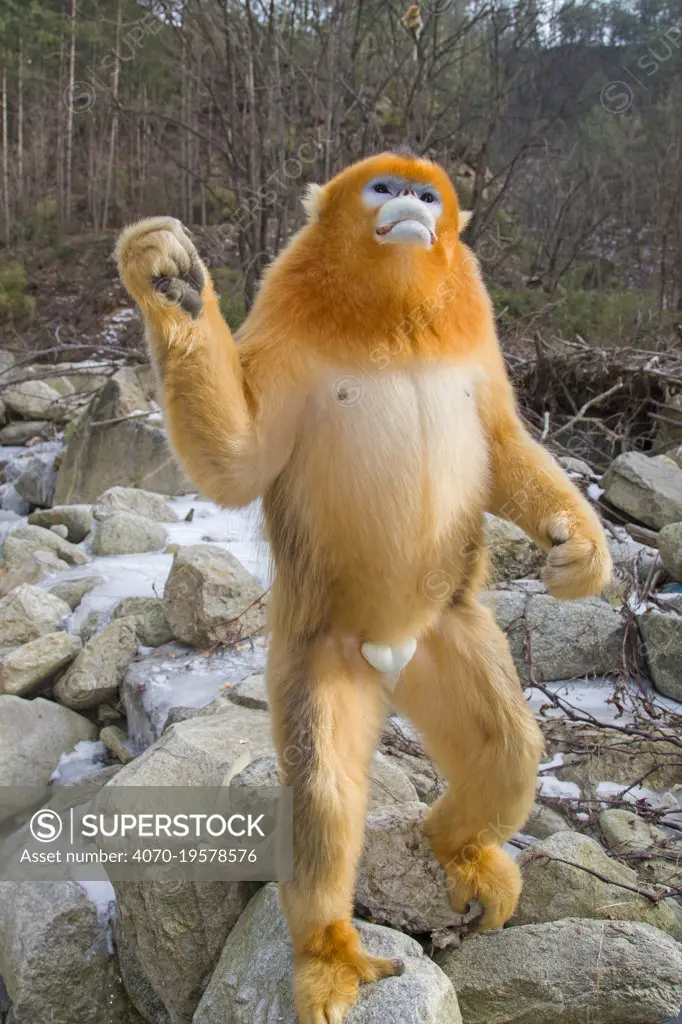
<point>568,972</point>
<point>141,993</point>
<point>26,540</point>
<point>662,636</point>
<point>645,488</point>
<point>629,836</point>
<point>76,518</point>
<point>389,783</point>
<point>131,499</point>
<point>129,452</point>
<point>95,675</point>
<point>400,882</point>
<point>544,821</point>
<point>670,548</point>
<point>568,639</point>
<point>29,612</point>
<point>152,625</point>
<point>31,667</point>
<point>116,741</point>
<point>513,555</point>
<point>203,750</point>
<point>37,482</point>
<point>22,431</point>
<point>32,570</point>
<point>55,955</point>
<point>33,400</point>
<point>250,692</point>
<point>33,736</point>
<point>553,889</point>
<point>123,533</point>
<point>252,982</point>
<point>211,598</point>
<point>73,591</point>
<point>177,930</point>
<point>573,638</point>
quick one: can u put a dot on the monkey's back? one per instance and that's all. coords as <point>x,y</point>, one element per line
<point>377,517</point>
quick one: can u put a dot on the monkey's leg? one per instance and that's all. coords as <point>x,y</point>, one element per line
<point>226,443</point>
<point>327,711</point>
<point>462,692</point>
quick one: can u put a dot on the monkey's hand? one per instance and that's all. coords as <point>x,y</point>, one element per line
<point>579,562</point>
<point>160,268</point>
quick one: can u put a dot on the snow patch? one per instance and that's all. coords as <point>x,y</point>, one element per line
<point>558,789</point>
<point>102,894</point>
<point>86,758</point>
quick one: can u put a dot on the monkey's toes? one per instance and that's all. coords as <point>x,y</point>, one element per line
<point>377,967</point>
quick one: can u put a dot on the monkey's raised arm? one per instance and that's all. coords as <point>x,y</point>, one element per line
<point>221,424</point>
<point>530,489</point>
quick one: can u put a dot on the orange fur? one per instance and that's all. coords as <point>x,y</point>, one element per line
<point>367,403</point>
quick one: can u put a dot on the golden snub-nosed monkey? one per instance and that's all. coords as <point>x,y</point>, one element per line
<point>366,402</point>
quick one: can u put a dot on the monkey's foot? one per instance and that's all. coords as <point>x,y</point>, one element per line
<point>328,973</point>
<point>579,563</point>
<point>160,266</point>
<point>490,876</point>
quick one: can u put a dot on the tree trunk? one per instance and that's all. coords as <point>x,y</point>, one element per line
<point>69,118</point>
<point>5,160</point>
<point>114,123</point>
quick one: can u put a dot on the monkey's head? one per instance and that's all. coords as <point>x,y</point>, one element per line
<point>382,239</point>
<point>389,203</point>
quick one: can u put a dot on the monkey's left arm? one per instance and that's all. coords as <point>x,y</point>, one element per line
<point>227,427</point>
<point>530,489</point>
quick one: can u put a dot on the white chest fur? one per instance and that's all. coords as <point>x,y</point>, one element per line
<point>401,446</point>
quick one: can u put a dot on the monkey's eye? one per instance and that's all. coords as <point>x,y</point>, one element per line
<point>381,189</point>
<point>427,197</point>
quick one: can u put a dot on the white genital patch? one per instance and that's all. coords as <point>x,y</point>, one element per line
<point>387,659</point>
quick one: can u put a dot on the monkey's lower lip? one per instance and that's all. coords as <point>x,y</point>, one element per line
<point>387,228</point>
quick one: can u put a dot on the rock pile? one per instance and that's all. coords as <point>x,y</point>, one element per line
<point>131,655</point>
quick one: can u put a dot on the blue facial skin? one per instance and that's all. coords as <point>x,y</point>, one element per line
<point>380,190</point>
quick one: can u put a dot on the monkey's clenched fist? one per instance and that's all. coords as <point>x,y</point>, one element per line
<point>579,563</point>
<point>367,502</point>
<point>159,262</point>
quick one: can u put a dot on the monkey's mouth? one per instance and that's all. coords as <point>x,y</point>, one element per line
<point>411,230</point>
<point>405,220</point>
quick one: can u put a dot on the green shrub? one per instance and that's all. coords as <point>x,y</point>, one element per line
<point>16,307</point>
<point>229,284</point>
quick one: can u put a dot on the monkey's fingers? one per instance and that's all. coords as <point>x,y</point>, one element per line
<point>160,266</point>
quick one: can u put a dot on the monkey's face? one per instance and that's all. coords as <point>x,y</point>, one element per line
<point>407,211</point>
<point>389,204</point>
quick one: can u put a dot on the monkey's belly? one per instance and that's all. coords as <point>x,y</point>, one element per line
<point>392,485</point>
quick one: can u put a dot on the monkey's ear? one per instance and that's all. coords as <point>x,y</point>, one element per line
<point>312,202</point>
<point>464,218</point>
